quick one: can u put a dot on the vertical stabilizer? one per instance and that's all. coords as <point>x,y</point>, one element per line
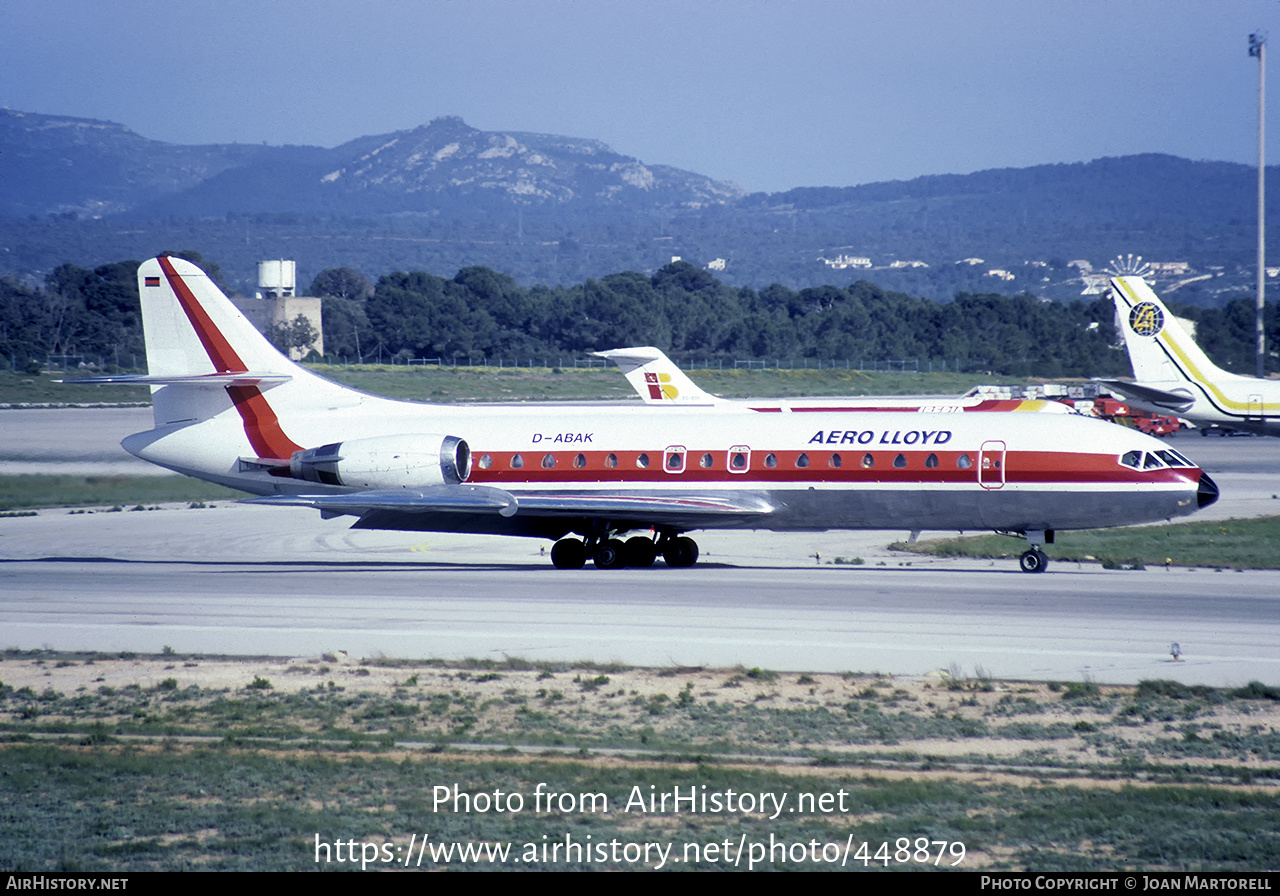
<point>205,358</point>
<point>191,328</point>
<point>1159,348</point>
<point>652,374</point>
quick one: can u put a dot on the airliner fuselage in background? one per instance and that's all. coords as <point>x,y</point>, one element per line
<point>230,409</point>
<point>660,383</point>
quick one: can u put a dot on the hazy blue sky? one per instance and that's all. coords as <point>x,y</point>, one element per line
<point>770,95</point>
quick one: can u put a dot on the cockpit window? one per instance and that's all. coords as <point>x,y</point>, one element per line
<point>1132,459</point>
<point>1174,459</point>
<point>1151,462</point>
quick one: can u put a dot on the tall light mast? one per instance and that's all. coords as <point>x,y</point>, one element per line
<point>1258,47</point>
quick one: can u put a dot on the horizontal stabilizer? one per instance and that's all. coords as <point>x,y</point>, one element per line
<point>194,379</point>
<point>1177,402</point>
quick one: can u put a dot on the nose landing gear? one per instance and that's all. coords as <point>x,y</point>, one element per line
<point>1034,559</point>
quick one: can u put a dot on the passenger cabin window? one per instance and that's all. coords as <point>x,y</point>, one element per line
<point>643,461</point>
<point>580,461</point>
<point>868,461</point>
<point>771,460</point>
<point>611,461</point>
<point>516,461</point>
<point>486,462</point>
<point>706,462</point>
<point>548,461</point>
<point>802,460</point>
<point>900,462</point>
<point>673,460</point>
<point>834,461</point>
<point>964,462</point>
<point>931,461</point>
<point>739,459</point>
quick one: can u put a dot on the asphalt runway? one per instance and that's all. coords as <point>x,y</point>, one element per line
<point>249,580</point>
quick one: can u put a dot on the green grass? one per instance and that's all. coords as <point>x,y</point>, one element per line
<point>20,492</point>
<point>509,384</point>
<point>19,389</point>
<point>445,384</point>
<point>1229,544</point>
<point>103,778</point>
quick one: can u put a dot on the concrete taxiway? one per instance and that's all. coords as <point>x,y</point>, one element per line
<point>280,581</point>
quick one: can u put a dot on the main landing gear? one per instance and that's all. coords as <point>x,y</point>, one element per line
<point>639,551</point>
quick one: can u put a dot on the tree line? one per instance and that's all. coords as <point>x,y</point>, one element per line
<point>682,309</point>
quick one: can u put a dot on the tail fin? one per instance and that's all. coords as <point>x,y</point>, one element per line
<point>205,358</point>
<point>192,329</point>
<point>656,378</point>
<point>1159,348</point>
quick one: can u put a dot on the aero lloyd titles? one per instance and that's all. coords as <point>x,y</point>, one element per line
<point>886,437</point>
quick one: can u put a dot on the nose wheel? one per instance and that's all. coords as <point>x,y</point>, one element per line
<point>1033,560</point>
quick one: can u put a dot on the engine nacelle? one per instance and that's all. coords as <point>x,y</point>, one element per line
<point>405,461</point>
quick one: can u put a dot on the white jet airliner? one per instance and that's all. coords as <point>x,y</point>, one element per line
<point>659,382</point>
<point>1173,376</point>
<point>231,409</point>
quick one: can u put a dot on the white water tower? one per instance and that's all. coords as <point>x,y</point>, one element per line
<point>277,278</point>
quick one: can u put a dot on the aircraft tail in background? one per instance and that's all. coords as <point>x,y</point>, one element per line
<point>658,381</point>
<point>1173,375</point>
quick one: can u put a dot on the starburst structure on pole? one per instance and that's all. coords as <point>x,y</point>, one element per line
<point>1129,266</point>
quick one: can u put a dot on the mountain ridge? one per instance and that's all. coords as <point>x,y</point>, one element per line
<point>555,209</point>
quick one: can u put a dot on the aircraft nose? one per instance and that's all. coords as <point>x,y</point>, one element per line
<point>1207,493</point>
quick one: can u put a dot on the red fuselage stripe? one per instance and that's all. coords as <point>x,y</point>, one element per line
<point>1042,467</point>
<point>261,424</point>
<point>216,346</point>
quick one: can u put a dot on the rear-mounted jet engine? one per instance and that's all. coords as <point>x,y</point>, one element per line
<point>407,461</point>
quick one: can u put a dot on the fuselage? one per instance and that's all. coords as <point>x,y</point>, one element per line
<point>817,469</point>
<point>230,409</point>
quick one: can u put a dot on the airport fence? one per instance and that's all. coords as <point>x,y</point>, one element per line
<point>132,363</point>
<point>561,362</point>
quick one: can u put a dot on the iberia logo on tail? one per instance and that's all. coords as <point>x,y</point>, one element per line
<point>660,386</point>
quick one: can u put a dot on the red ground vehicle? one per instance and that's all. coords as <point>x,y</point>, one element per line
<point>1121,412</point>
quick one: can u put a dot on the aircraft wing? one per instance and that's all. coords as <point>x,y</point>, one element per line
<point>1178,402</point>
<point>436,499</point>
<point>679,510</point>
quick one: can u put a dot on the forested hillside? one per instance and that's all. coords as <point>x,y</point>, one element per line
<point>482,314</point>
